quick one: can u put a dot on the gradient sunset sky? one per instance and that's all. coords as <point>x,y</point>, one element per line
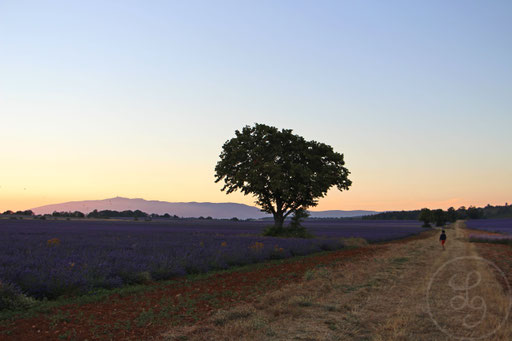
<point>135,98</point>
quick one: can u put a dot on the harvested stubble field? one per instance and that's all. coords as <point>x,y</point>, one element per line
<point>372,292</point>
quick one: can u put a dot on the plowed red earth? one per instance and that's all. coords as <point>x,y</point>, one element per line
<point>501,256</point>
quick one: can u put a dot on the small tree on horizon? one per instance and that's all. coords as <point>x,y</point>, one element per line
<point>439,217</point>
<point>282,170</point>
<point>425,217</point>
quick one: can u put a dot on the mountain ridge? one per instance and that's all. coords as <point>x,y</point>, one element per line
<point>223,210</point>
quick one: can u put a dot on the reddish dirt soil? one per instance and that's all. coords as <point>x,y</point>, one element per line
<point>470,231</point>
<point>145,315</point>
<point>501,256</point>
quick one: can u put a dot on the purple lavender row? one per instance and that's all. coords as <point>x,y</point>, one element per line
<point>54,258</point>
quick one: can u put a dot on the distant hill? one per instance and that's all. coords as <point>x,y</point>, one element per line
<point>181,209</point>
<point>340,214</point>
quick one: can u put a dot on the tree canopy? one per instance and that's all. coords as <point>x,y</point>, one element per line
<point>282,170</point>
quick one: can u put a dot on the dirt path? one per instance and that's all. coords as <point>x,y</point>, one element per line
<point>412,291</point>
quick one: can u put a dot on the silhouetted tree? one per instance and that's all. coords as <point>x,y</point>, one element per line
<point>451,215</point>
<point>78,214</point>
<point>27,212</point>
<point>425,217</point>
<point>282,170</point>
<point>298,217</point>
<point>438,216</point>
<point>474,213</point>
<point>462,213</point>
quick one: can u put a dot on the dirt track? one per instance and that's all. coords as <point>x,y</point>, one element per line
<point>410,291</point>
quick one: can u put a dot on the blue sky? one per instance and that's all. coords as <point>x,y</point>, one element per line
<point>135,98</point>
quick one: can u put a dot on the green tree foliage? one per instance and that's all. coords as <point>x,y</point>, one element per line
<point>394,215</point>
<point>475,213</point>
<point>462,213</point>
<point>27,212</point>
<point>282,170</point>
<point>105,214</point>
<point>425,217</point>
<point>439,217</point>
<point>451,215</point>
<point>75,214</point>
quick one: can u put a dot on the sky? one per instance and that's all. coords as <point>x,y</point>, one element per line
<point>135,98</point>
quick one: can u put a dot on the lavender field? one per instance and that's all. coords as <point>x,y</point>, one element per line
<point>491,225</point>
<point>47,259</point>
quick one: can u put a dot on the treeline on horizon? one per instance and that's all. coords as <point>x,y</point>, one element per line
<point>451,214</point>
<point>103,214</point>
<point>426,215</point>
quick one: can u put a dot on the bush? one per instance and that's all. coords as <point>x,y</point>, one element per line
<point>12,298</point>
<point>142,277</point>
<point>290,232</point>
<point>295,230</point>
<point>354,242</point>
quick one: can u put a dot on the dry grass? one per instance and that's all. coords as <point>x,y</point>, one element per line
<point>354,242</point>
<point>380,298</point>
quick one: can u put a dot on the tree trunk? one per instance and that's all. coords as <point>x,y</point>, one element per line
<point>278,219</point>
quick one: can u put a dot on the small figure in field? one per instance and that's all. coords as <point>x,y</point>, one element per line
<point>442,238</point>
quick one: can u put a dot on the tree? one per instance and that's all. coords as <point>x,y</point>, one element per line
<point>298,217</point>
<point>282,170</point>
<point>451,215</point>
<point>78,214</point>
<point>425,217</point>
<point>462,213</point>
<point>439,217</point>
<point>474,213</point>
<point>294,230</point>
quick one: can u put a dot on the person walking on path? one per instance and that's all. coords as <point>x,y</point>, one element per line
<point>442,238</point>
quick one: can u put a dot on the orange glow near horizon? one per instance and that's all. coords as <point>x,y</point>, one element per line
<point>87,171</point>
<point>77,183</point>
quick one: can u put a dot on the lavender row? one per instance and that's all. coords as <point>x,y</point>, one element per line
<point>53,258</point>
<point>491,225</point>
